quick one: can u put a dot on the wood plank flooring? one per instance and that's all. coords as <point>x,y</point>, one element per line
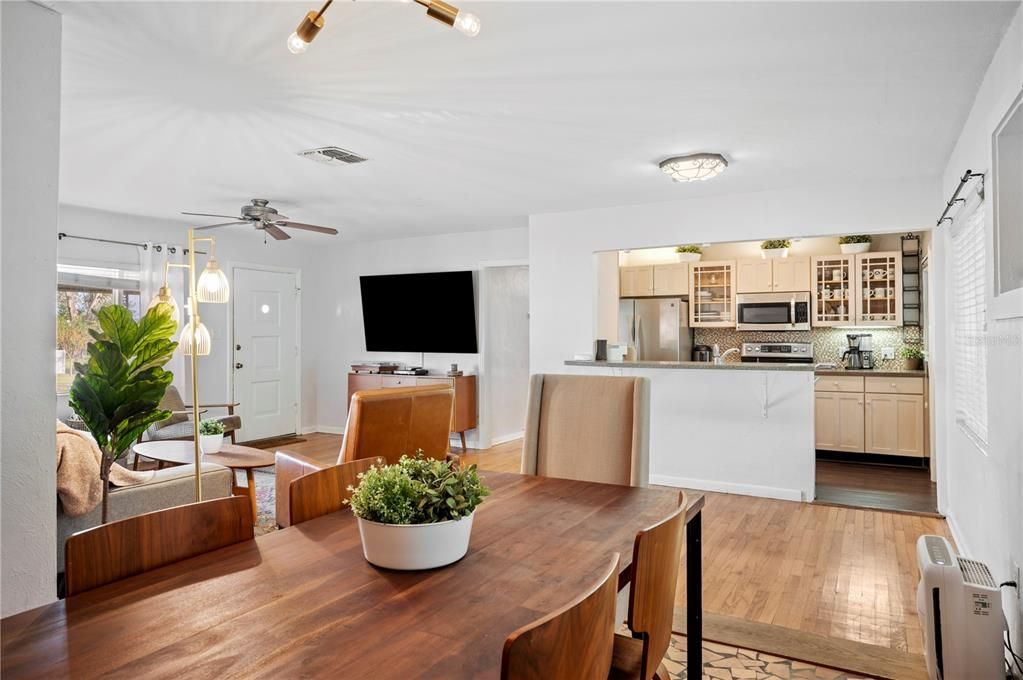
<point>838,572</point>
<point>881,487</point>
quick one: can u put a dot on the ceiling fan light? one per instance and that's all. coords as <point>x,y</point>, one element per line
<point>212,285</point>
<point>164,297</point>
<point>305,33</point>
<point>694,167</point>
<point>198,343</point>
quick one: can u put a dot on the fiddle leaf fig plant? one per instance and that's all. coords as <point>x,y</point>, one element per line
<point>117,392</point>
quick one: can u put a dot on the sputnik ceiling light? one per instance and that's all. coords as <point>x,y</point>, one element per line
<point>465,22</point>
<point>697,166</point>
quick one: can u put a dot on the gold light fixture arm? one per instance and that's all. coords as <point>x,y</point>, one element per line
<point>312,23</point>
<point>193,308</point>
<point>440,10</point>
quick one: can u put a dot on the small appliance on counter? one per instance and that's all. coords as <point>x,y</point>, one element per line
<point>777,352</point>
<point>859,354</point>
<point>702,353</point>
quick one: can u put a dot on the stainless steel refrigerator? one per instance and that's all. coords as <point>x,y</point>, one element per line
<point>657,329</point>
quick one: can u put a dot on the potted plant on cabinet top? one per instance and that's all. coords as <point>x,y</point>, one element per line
<point>416,514</point>
<point>912,358</point>
<point>855,243</point>
<point>778,247</point>
<point>211,436</point>
<point>688,253</point>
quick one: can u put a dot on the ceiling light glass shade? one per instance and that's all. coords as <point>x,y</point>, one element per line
<point>201,338</point>
<point>296,45</point>
<point>212,285</point>
<point>697,166</point>
<point>468,24</point>
<point>163,296</point>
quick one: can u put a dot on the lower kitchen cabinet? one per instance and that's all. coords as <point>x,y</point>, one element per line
<point>890,419</point>
<point>895,424</point>
<point>838,421</point>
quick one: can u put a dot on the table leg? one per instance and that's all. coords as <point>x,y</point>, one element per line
<point>462,435</point>
<point>694,599</point>
<point>251,477</point>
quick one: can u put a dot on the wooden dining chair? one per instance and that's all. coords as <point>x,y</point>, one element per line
<point>572,643</point>
<point>324,491</point>
<point>115,551</point>
<point>656,555</point>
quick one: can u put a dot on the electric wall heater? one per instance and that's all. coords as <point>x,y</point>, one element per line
<point>960,611</point>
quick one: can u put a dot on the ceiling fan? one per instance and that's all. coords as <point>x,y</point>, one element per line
<point>264,218</point>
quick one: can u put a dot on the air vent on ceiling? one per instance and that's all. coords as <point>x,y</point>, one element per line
<point>332,155</point>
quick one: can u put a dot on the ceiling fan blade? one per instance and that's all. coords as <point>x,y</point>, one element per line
<point>307,227</point>
<point>222,224</point>
<point>276,232</point>
<point>230,217</point>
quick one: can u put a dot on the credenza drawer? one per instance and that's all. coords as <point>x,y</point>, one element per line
<point>435,381</point>
<point>882,385</point>
<point>399,381</point>
<point>839,383</point>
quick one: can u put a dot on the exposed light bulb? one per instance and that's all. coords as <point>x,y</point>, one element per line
<point>296,45</point>
<point>468,24</point>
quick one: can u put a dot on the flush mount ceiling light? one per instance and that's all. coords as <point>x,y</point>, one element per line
<point>696,166</point>
<point>465,22</point>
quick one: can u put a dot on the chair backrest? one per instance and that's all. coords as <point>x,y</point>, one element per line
<point>576,641</point>
<point>114,551</point>
<point>171,401</point>
<point>588,427</point>
<point>656,555</point>
<point>390,422</point>
<point>324,491</point>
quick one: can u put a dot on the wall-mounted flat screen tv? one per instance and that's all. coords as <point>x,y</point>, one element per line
<point>433,312</point>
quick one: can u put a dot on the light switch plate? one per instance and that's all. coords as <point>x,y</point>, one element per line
<point>887,352</point>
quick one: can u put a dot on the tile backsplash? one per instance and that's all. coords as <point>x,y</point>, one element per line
<point>828,343</point>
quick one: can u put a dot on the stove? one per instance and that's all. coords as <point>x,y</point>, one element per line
<point>778,352</point>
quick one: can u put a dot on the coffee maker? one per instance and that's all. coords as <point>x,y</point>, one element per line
<point>860,353</point>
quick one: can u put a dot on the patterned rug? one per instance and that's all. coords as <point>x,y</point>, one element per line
<point>722,662</point>
<point>266,508</point>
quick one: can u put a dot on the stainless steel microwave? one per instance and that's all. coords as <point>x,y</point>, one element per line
<point>772,311</point>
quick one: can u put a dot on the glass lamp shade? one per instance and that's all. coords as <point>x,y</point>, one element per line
<point>212,285</point>
<point>164,297</point>
<point>695,167</point>
<point>201,338</point>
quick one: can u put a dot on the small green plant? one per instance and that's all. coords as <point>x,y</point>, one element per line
<point>210,426</point>
<point>771,244</point>
<point>417,490</point>
<point>854,238</point>
<point>689,249</point>
<point>910,352</point>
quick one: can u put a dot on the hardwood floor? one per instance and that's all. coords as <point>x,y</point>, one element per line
<point>839,572</point>
<point>881,487</point>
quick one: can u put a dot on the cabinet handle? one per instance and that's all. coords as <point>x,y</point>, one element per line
<point>893,385</point>
<point>860,403</point>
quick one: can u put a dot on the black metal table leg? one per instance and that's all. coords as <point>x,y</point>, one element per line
<point>694,600</point>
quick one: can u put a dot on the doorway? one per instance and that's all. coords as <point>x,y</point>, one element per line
<point>266,352</point>
<point>504,315</point>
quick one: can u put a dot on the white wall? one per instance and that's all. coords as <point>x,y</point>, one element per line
<point>30,139</point>
<point>504,343</point>
<point>982,492</point>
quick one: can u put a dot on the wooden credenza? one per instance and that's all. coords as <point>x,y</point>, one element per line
<point>463,416</point>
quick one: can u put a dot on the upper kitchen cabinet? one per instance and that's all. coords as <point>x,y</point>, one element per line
<point>835,302</point>
<point>712,294</point>
<point>778,275</point>
<point>671,279</point>
<point>636,281</point>
<point>878,290</point>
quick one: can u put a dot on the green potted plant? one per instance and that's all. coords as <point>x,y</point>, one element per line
<point>416,514</point>
<point>117,392</point>
<point>912,358</point>
<point>854,243</point>
<point>211,435</point>
<point>778,247</point>
<point>688,253</point>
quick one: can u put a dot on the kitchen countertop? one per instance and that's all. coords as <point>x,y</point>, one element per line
<point>727,366</point>
<point>879,372</point>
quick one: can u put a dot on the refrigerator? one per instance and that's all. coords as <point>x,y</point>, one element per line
<point>656,329</point>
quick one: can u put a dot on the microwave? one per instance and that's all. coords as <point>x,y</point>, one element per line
<point>772,311</point>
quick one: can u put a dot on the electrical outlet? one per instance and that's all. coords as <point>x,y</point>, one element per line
<point>887,353</point>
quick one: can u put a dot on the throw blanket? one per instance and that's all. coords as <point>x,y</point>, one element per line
<point>78,471</point>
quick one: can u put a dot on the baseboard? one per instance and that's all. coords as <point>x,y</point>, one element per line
<point>322,429</point>
<point>957,536</point>
<point>728,487</point>
<point>496,441</point>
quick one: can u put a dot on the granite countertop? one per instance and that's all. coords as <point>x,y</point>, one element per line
<point>879,372</point>
<point>727,366</point>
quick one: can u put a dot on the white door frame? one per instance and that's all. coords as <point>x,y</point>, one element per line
<point>298,330</point>
<point>484,384</point>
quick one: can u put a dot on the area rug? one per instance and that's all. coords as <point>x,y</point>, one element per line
<point>266,499</point>
<point>723,662</point>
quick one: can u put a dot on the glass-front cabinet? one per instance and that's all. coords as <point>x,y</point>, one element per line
<point>712,294</point>
<point>878,289</point>
<point>833,287</point>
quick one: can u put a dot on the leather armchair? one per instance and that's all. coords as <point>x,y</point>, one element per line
<point>388,423</point>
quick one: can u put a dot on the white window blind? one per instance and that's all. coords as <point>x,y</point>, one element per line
<point>969,308</point>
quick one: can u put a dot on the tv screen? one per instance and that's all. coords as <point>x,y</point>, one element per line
<point>433,312</point>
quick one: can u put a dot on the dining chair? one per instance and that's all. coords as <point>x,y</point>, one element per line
<point>588,427</point>
<point>656,555</point>
<point>115,551</point>
<point>571,643</point>
<point>387,422</point>
<point>324,491</point>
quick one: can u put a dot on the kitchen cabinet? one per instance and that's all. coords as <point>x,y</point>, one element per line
<point>894,424</point>
<point>777,275</point>
<point>671,279</point>
<point>838,421</point>
<point>635,281</point>
<point>753,276</point>
<point>878,289</point>
<point>712,294</point>
<point>834,290</point>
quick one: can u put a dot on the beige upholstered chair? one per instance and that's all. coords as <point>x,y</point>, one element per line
<point>588,427</point>
<point>179,425</point>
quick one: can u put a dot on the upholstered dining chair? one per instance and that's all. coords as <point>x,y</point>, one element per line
<point>388,423</point>
<point>572,643</point>
<point>656,555</point>
<point>117,550</point>
<point>325,491</point>
<point>179,425</point>
<point>588,427</point>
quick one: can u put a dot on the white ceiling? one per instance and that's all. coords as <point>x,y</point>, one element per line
<point>555,106</point>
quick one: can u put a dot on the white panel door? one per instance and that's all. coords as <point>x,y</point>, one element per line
<point>265,352</point>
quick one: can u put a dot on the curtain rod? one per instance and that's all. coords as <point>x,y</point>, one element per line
<point>967,176</point>
<point>145,246</point>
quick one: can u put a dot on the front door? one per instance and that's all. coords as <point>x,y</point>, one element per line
<point>266,352</point>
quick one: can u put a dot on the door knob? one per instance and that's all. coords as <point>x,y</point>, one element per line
<point>238,365</point>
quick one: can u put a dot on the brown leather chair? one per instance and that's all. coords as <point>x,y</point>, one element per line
<point>388,423</point>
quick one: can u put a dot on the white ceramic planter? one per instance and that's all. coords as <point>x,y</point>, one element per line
<point>415,546</point>
<point>211,443</point>
<point>771,253</point>
<point>853,248</point>
<point>688,257</point>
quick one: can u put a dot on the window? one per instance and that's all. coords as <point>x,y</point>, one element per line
<point>81,292</point>
<point>969,309</point>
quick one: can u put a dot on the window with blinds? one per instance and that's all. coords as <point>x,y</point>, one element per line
<point>969,308</point>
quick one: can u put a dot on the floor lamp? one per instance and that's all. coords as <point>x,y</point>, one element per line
<point>210,286</point>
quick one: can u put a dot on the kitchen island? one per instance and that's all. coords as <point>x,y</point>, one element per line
<point>744,428</point>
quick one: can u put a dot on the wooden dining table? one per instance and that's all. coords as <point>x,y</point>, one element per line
<point>304,603</point>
